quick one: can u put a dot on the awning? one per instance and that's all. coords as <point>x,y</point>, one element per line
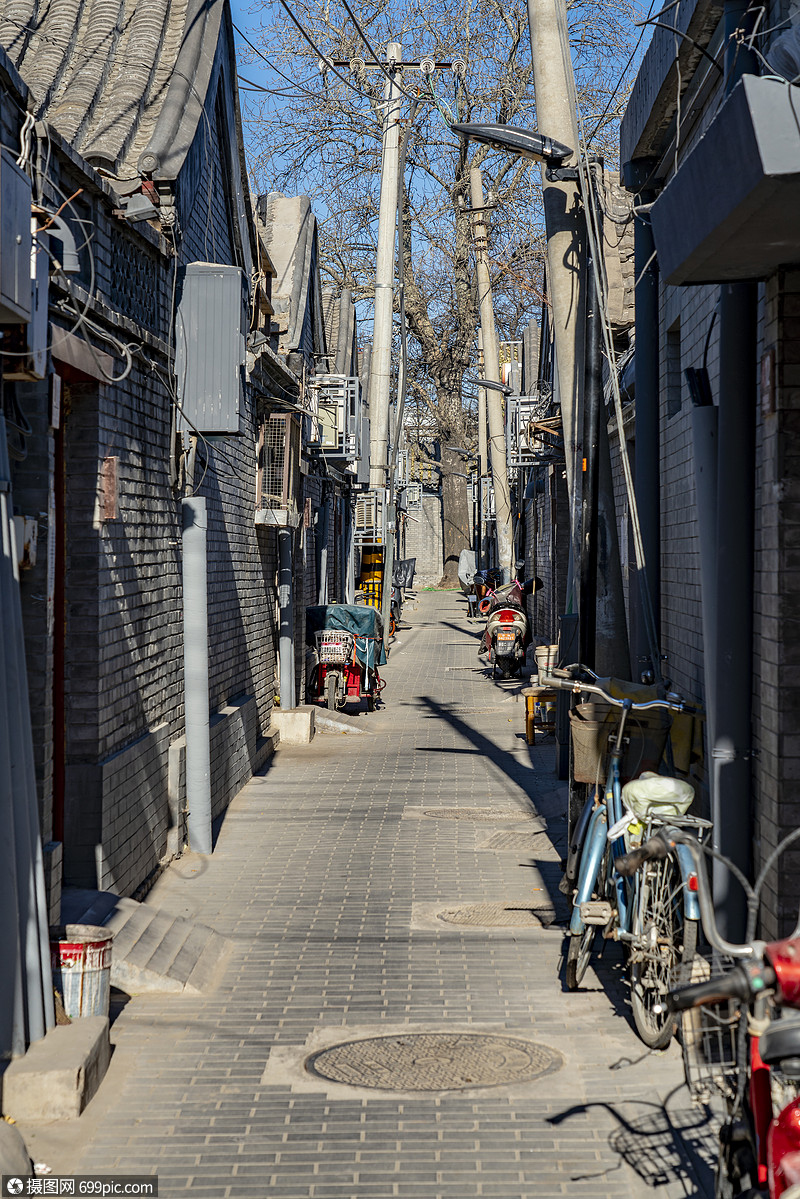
<point>730,213</point>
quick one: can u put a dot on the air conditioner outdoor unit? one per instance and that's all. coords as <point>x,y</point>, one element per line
<point>413,495</point>
<point>488,509</point>
<point>278,464</point>
<point>525,445</point>
<point>368,525</point>
<point>339,409</point>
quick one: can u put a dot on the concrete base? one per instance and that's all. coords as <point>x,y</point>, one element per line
<point>295,725</point>
<point>14,1157</point>
<point>59,1074</point>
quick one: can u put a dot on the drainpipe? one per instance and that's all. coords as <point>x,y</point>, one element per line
<point>349,552</point>
<point>704,441</point>
<point>286,608</point>
<point>731,778</point>
<point>592,415</point>
<point>323,526</point>
<point>26,989</point>
<point>195,673</point>
<point>647,459</point>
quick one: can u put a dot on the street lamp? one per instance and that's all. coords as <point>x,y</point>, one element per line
<point>528,144</point>
<point>489,384</point>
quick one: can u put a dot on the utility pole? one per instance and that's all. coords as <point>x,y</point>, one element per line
<point>491,372</point>
<point>483,459</point>
<point>380,370</point>
<point>565,230</point>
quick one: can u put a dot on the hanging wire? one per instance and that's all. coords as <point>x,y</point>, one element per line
<point>377,61</point>
<point>272,66</point>
<point>322,57</point>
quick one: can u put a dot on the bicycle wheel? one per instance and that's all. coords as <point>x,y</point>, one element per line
<point>663,949</point>
<point>579,950</point>
<point>579,953</point>
<point>331,690</point>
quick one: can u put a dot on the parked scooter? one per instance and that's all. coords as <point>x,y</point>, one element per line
<point>507,634</point>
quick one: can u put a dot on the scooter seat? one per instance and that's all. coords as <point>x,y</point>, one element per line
<point>781,1041</point>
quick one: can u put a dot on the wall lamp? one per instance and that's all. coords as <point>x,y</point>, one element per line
<point>528,144</point>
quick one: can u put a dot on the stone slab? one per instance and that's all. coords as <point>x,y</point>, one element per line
<point>60,1073</point>
<point>295,725</point>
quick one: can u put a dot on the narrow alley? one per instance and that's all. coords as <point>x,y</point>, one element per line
<point>392,883</point>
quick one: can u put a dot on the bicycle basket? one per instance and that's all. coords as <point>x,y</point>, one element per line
<point>709,1036</point>
<point>335,647</point>
<point>591,726</point>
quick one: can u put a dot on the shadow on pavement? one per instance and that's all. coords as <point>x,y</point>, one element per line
<point>662,1145</point>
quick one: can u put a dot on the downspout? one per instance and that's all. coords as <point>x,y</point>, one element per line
<point>27,1009</point>
<point>195,673</point>
<point>732,719</point>
<point>323,527</point>
<point>286,610</point>
<point>349,551</point>
<point>647,453</point>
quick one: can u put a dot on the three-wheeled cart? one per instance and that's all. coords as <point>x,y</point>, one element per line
<point>348,639</point>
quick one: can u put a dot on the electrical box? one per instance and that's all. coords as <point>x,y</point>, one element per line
<point>15,243</point>
<point>210,347</point>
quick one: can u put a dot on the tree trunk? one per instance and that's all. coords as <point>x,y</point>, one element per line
<point>456,515</point>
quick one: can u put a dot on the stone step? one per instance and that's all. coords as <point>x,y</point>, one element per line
<point>153,950</point>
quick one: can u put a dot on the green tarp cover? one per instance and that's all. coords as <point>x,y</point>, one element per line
<point>366,625</point>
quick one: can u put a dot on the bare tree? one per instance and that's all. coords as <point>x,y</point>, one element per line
<point>324,139</point>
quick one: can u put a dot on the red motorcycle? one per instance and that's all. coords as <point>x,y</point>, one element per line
<point>507,634</point>
<point>759,1075</point>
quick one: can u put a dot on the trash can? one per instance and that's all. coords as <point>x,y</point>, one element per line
<point>80,956</point>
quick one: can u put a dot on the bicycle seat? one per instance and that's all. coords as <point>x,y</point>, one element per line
<point>781,1042</point>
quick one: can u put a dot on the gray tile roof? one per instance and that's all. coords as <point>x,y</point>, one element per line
<point>122,80</point>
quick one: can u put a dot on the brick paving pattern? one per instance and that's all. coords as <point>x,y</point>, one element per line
<point>328,876</point>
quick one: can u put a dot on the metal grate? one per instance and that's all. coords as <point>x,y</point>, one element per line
<point>488,509</point>
<point>338,411</point>
<point>279,462</point>
<point>525,443</point>
<point>413,496</point>
<point>369,517</point>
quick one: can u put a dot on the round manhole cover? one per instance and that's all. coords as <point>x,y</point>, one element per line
<point>434,1062</point>
<point>495,915</point>
<point>477,814</point>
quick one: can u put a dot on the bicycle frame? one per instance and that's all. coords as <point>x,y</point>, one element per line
<point>592,846</point>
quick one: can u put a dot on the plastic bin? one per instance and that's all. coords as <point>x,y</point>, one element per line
<point>80,956</point>
<point>592,724</point>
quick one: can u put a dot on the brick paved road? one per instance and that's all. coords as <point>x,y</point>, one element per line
<point>329,876</point>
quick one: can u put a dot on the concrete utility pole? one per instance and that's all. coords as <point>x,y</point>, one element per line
<point>491,372</point>
<point>565,229</point>
<point>483,459</point>
<point>380,367</point>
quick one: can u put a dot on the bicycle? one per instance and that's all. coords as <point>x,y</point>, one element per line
<point>656,914</point>
<point>738,1049</point>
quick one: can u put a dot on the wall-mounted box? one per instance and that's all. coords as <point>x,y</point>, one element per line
<point>15,243</point>
<point>210,346</point>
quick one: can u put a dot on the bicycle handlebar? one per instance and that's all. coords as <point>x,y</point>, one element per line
<point>733,985</point>
<point>563,681</point>
<point>653,850</point>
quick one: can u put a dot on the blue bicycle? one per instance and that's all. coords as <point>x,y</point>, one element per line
<point>655,914</point>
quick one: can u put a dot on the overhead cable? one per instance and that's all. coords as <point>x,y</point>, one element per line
<point>378,62</point>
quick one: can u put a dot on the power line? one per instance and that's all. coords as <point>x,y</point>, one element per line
<point>620,81</point>
<point>322,57</point>
<point>272,66</point>
<point>378,62</point>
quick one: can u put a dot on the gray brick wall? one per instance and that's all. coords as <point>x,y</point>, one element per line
<point>123,602</point>
<point>424,540</point>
